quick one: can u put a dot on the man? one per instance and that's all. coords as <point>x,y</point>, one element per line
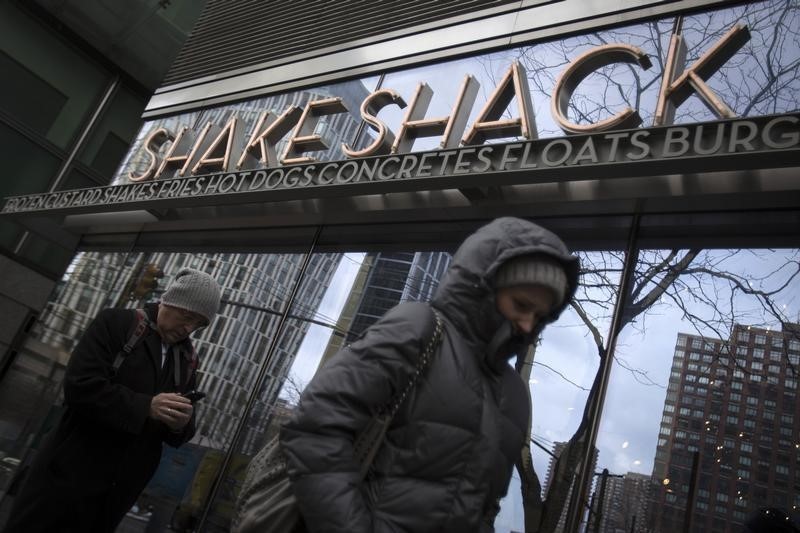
<point>119,410</point>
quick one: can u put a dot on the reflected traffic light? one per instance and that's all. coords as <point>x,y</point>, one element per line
<point>147,282</point>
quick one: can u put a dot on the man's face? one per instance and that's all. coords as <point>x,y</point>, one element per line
<point>175,324</point>
<point>524,305</point>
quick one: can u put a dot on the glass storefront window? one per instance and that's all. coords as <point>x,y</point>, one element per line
<point>233,350</point>
<point>32,383</point>
<point>686,383</point>
<point>10,232</point>
<point>564,369</point>
<point>52,257</point>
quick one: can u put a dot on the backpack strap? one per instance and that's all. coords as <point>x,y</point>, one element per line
<point>139,329</point>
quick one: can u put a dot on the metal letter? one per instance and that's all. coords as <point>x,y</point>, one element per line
<point>676,89</point>
<point>158,136</point>
<point>578,70</point>
<point>488,125</point>
<point>304,138</point>
<point>369,109</point>
<point>451,127</point>
<point>266,135</point>
<point>231,136</point>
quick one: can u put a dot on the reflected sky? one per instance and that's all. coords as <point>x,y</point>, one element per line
<point>635,399</point>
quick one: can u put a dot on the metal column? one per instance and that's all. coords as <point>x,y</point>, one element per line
<point>576,504</point>
<point>262,373</point>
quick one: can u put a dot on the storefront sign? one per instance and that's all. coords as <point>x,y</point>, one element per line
<point>722,145</point>
<point>215,149</point>
<point>219,165</point>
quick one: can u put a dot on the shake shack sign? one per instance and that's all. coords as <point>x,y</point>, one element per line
<point>723,145</point>
<point>218,165</point>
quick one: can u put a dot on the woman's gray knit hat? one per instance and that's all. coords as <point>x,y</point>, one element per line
<point>533,270</point>
<point>194,291</point>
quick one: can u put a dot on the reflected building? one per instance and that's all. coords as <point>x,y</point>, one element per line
<point>622,502</point>
<point>558,449</point>
<point>383,281</point>
<point>733,404</point>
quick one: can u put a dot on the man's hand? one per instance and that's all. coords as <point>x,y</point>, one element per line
<point>172,409</point>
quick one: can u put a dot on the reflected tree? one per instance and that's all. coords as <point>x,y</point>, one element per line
<point>713,289</point>
<point>710,288</point>
<point>762,77</point>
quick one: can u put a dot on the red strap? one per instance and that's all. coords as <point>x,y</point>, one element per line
<point>142,323</point>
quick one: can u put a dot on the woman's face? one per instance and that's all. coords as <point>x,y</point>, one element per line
<point>524,305</point>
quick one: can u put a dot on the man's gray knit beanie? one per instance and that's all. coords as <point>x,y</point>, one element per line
<point>194,291</point>
<point>533,270</point>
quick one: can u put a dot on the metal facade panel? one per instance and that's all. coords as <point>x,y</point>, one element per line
<point>233,59</point>
<point>231,35</point>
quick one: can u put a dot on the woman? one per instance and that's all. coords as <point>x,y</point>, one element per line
<point>447,458</point>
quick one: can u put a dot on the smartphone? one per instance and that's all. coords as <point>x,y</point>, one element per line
<point>194,395</point>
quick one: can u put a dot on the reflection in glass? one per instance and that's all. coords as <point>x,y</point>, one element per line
<point>31,392</point>
<point>706,367</point>
<point>762,77</point>
<point>564,368</point>
<point>50,85</point>
<point>232,349</point>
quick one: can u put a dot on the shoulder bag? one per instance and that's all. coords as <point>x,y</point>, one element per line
<point>266,502</point>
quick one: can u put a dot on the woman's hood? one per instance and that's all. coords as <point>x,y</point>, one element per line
<point>466,294</point>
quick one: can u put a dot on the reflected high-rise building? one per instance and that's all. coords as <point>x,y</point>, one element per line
<point>732,403</point>
<point>621,503</point>
<point>384,280</point>
<point>555,454</point>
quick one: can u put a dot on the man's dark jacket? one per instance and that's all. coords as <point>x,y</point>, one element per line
<point>94,465</point>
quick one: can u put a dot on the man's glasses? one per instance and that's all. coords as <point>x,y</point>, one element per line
<point>193,319</point>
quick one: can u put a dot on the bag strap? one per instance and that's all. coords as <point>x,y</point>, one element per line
<point>139,329</point>
<point>370,440</point>
<point>423,363</point>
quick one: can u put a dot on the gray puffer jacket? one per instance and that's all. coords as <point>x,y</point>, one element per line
<point>449,453</point>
